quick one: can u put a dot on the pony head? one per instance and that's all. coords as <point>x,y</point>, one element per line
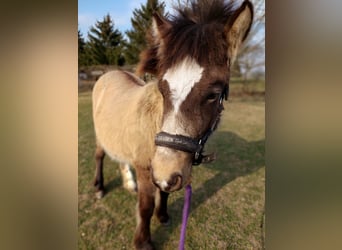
<point>191,54</point>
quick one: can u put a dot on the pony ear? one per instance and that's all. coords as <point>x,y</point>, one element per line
<point>149,58</point>
<point>159,26</point>
<point>237,28</point>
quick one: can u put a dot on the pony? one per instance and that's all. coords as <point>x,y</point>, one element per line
<point>160,127</point>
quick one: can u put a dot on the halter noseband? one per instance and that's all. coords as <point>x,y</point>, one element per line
<point>191,145</point>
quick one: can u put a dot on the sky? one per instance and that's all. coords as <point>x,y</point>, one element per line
<point>121,11</point>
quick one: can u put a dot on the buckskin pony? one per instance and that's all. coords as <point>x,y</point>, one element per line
<point>160,127</point>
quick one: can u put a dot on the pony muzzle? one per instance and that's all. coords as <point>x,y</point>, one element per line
<point>171,169</point>
<point>173,184</point>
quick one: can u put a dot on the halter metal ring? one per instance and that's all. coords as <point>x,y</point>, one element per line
<point>196,155</point>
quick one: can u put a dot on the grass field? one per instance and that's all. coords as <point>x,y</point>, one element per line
<point>227,208</point>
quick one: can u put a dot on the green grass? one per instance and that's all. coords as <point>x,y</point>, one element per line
<point>228,195</point>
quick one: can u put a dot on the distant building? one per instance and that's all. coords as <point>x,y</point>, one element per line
<point>96,74</point>
<point>82,75</point>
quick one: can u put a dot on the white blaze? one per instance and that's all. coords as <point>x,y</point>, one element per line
<point>181,78</point>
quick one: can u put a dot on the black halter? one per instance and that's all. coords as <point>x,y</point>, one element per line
<point>191,145</point>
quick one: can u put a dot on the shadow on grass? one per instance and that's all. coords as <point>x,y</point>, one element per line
<point>112,184</point>
<point>235,157</point>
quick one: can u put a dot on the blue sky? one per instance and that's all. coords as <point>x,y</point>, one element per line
<point>89,11</point>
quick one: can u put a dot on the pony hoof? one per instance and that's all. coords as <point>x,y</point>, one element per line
<point>145,246</point>
<point>99,194</point>
<point>165,222</point>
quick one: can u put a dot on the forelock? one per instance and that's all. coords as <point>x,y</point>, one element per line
<point>197,32</point>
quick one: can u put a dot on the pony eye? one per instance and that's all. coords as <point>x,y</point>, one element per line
<point>212,97</point>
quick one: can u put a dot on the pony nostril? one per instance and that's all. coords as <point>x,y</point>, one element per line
<point>175,182</point>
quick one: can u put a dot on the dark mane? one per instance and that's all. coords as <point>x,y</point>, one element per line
<point>197,31</point>
<point>204,11</point>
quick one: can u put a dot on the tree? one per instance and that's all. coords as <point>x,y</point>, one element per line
<point>81,43</point>
<point>83,51</point>
<point>105,43</point>
<point>83,55</point>
<point>81,48</point>
<point>141,22</point>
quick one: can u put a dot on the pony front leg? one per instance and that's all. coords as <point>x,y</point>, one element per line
<point>98,181</point>
<point>161,207</point>
<point>146,196</point>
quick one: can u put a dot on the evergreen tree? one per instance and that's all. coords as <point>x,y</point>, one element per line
<point>81,43</point>
<point>105,43</point>
<point>81,49</point>
<point>84,58</point>
<point>141,22</point>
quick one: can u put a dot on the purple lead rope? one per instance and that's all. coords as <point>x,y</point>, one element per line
<point>186,209</point>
